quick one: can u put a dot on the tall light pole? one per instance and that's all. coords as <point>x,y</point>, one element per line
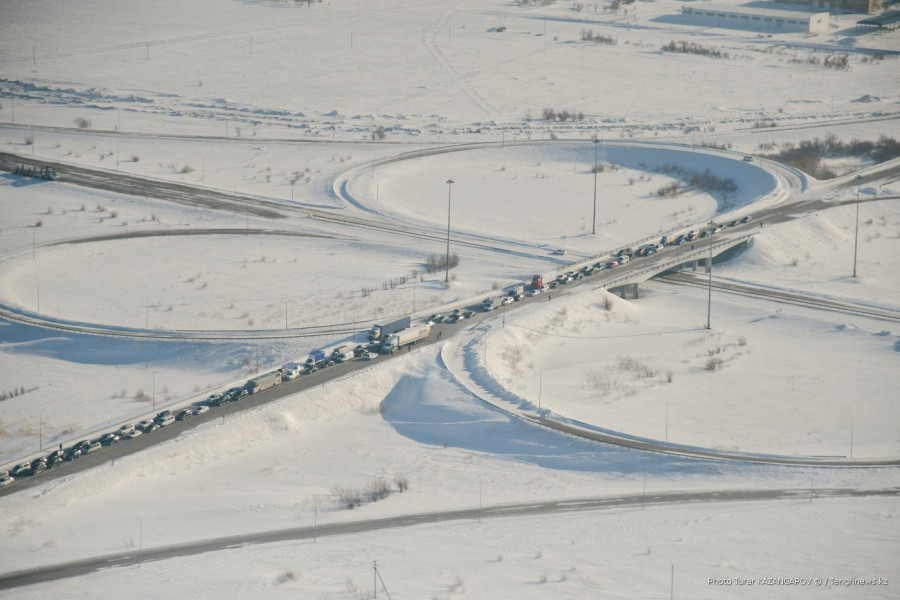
<point>594,221</point>
<point>856,237</point>
<point>709,268</point>
<point>140,542</point>
<point>450,183</point>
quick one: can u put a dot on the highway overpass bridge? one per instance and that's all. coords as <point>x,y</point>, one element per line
<point>624,281</point>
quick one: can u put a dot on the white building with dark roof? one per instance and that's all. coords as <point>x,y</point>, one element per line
<point>757,19</point>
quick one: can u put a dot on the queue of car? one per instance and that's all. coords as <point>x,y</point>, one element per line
<point>128,431</point>
<point>369,351</point>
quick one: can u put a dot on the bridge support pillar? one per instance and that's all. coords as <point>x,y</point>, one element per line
<point>694,265</point>
<point>629,291</point>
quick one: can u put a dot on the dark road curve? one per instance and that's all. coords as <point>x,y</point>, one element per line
<point>636,501</point>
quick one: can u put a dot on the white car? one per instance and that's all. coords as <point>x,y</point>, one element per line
<point>134,433</point>
<point>6,480</point>
<point>507,300</point>
<point>371,355</point>
<point>125,429</point>
<point>201,409</point>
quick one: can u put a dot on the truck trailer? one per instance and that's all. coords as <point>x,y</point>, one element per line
<point>379,332</point>
<point>517,291</point>
<point>405,338</point>
<point>316,357</point>
<point>491,303</point>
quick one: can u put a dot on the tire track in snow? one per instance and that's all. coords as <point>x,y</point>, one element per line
<point>430,40</point>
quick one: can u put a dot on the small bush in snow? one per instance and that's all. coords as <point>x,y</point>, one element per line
<point>714,363</point>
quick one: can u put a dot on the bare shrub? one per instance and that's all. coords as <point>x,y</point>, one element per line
<point>377,490</point>
<point>669,376</point>
<point>349,498</point>
<point>714,363</point>
<point>82,123</point>
<point>401,482</point>
<point>693,48</point>
<point>435,262</point>
<point>287,576</point>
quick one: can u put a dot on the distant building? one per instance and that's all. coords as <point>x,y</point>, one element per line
<point>840,6</point>
<point>758,19</point>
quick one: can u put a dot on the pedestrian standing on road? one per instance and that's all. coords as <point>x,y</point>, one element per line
<point>549,297</point>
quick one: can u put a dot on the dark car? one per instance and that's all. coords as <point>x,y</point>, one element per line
<point>38,465</point>
<point>83,445</point>
<point>54,458</point>
<point>236,393</point>
<point>71,453</point>
<point>108,439</point>
<point>185,414</point>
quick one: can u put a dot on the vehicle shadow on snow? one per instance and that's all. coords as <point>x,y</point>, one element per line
<point>436,411</point>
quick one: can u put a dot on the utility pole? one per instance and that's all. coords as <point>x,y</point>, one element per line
<point>450,183</point>
<point>856,237</point>
<point>709,295</point>
<point>594,220</point>
<point>140,543</point>
<point>540,387</point>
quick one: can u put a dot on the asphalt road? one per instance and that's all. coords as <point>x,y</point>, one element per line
<point>636,502</point>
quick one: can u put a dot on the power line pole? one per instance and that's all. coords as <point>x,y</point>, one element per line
<point>856,237</point>
<point>709,295</point>
<point>594,221</point>
<point>450,183</point>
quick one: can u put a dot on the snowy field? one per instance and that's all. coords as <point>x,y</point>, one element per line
<point>287,102</point>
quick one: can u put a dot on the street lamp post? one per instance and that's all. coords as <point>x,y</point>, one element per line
<point>709,268</point>
<point>856,236</point>
<point>594,221</point>
<point>140,542</point>
<point>450,183</point>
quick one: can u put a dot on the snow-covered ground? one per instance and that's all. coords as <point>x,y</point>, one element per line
<point>271,76</point>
